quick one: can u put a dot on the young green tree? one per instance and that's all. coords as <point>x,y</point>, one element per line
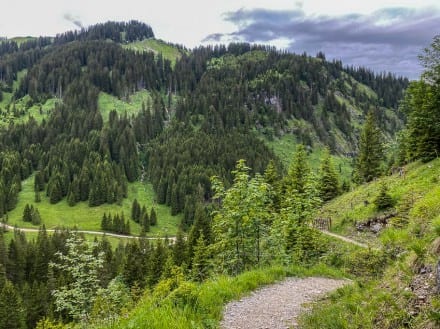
<point>82,267</point>
<point>300,201</point>
<point>368,162</point>
<point>153,217</point>
<point>328,185</point>
<point>201,262</point>
<point>421,104</point>
<point>241,225</point>
<point>383,199</point>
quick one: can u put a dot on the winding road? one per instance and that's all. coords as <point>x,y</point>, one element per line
<point>9,227</point>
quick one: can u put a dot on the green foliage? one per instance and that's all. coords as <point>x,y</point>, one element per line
<point>49,324</point>
<point>328,179</point>
<point>368,162</point>
<point>241,225</point>
<point>12,315</point>
<point>191,306</point>
<point>422,100</point>
<point>383,200</point>
<point>81,268</point>
<point>111,302</point>
<point>201,261</point>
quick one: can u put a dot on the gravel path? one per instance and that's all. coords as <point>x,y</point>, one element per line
<point>278,305</point>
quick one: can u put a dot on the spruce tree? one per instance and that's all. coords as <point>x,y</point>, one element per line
<point>135,211</point>
<point>368,162</point>
<point>12,314</point>
<point>27,215</point>
<point>383,199</point>
<point>153,217</point>
<point>328,186</point>
<point>200,262</point>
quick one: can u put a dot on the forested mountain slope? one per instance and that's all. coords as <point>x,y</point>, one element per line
<point>211,96</point>
<point>90,118</point>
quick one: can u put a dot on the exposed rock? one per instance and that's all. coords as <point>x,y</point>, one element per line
<point>438,277</point>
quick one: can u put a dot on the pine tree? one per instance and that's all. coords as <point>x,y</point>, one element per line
<point>145,222</point>
<point>328,186</point>
<point>12,314</point>
<point>200,263</point>
<point>105,225</point>
<point>296,179</point>
<point>368,162</point>
<point>35,217</point>
<point>135,211</point>
<point>179,249</point>
<point>153,217</point>
<point>27,215</point>
<point>383,199</point>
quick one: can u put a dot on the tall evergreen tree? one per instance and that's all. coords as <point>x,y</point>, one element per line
<point>12,315</point>
<point>369,159</point>
<point>328,178</point>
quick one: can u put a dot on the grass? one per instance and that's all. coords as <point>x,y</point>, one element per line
<point>108,103</point>
<point>285,146</point>
<point>20,40</point>
<point>417,190</point>
<point>84,217</point>
<point>156,46</point>
<point>410,242</point>
<point>37,111</point>
<point>193,305</point>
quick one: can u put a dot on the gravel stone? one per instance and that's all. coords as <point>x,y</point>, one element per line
<point>278,305</point>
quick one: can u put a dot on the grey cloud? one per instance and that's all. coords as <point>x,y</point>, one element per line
<point>389,39</point>
<point>73,19</point>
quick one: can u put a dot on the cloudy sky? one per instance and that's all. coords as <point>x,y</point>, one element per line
<point>385,35</point>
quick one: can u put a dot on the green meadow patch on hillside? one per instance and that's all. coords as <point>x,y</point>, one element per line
<point>156,46</point>
<point>285,146</point>
<point>84,217</point>
<point>414,190</point>
<point>133,105</point>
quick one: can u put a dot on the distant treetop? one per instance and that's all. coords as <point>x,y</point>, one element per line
<point>115,31</point>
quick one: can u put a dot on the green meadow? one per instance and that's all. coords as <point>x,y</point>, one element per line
<point>83,217</point>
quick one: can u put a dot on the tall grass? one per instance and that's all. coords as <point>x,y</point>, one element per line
<point>192,306</point>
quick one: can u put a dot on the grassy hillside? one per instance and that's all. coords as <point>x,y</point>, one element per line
<point>157,46</point>
<point>84,217</point>
<point>108,103</point>
<point>284,147</point>
<point>405,296</point>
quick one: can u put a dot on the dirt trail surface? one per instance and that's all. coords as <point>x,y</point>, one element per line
<point>8,227</point>
<point>278,305</point>
<point>343,238</point>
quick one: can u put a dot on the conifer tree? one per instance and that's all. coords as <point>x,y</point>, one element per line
<point>12,314</point>
<point>145,222</point>
<point>135,211</point>
<point>368,162</point>
<point>27,214</point>
<point>153,217</point>
<point>328,186</point>
<point>200,263</point>
<point>383,199</point>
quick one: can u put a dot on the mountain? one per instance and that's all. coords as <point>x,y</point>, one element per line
<point>109,129</point>
<point>205,109</point>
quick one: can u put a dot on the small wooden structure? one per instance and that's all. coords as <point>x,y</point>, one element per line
<point>322,223</point>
